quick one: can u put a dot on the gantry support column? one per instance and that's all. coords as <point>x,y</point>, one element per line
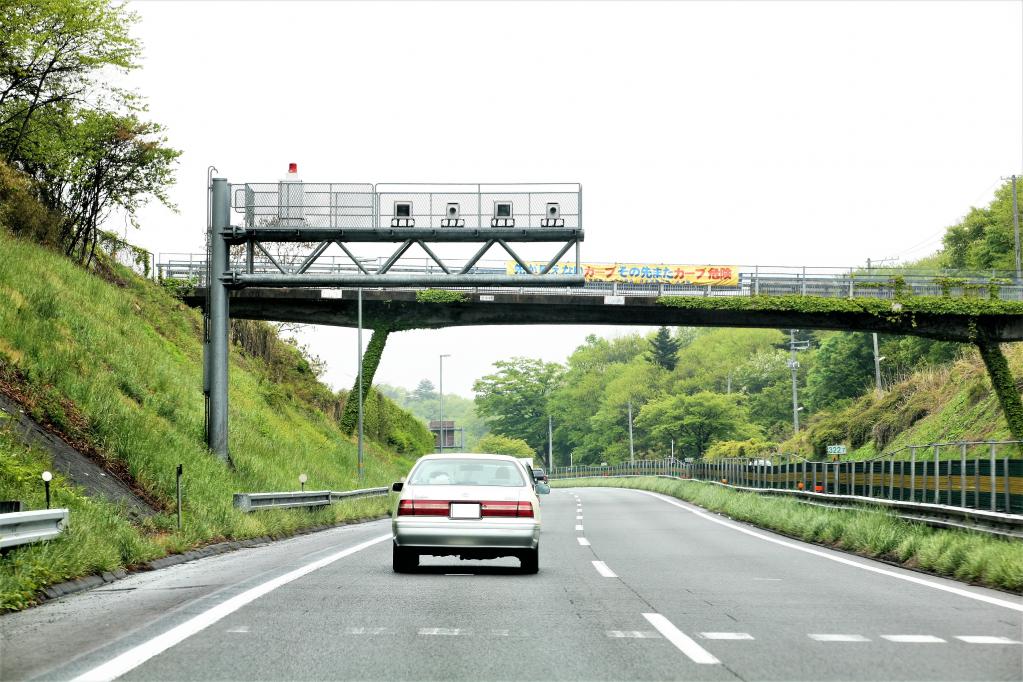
<point>218,314</point>
<point>370,362</point>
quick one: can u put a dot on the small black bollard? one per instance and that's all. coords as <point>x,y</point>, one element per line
<point>178,481</point>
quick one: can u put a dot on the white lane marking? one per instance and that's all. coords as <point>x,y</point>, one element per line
<point>365,631</point>
<point>578,527</point>
<point>914,639</point>
<point>726,635</point>
<point>241,629</point>
<point>446,632</point>
<point>584,542</point>
<point>604,570</point>
<point>873,569</point>
<point>138,655</point>
<point>579,518</point>
<point>682,642</point>
<point>770,580</point>
<point>838,638</point>
<point>975,639</point>
<point>632,634</point>
<point>499,633</point>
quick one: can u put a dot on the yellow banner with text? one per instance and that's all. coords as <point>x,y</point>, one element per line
<point>640,273</point>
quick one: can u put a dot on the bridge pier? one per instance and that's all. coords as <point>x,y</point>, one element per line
<point>1003,383</point>
<point>370,362</point>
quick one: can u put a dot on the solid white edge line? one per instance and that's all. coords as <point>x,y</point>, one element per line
<point>604,570</point>
<point>682,642</point>
<point>842,560</point>
<point>138,655</point>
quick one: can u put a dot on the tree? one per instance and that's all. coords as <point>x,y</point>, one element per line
<point>502,445</point>
<point>984,239</point>
<point>664,349</point>
<point>514,401</point>
<point>424,391</point>
<point>843,369</point>
<point>695,421</point>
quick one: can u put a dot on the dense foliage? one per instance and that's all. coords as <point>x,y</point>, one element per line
<point>81,140</point>
<point>503,445</point>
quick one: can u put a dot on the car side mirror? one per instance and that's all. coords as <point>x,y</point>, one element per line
<point>542,489</point>
<point>396,487</point>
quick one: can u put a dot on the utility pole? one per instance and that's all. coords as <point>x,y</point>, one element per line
<point>632,451</point>
<point>877,368</point>
<point>550,443</point>
<point>794,366</point>
<point>1015,227</point>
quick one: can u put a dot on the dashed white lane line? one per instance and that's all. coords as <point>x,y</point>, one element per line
<point>914,639</point>
<point>444,632</point>
<point>726,635</point>
<point>241,629</point>
<point>975,639</point>
<point>604,570</point>
<point>579,518</point>
<point>682,642</point>
<point>578,527</point>
<point>136,656</point>
<point>632,634</point>
<point>1015,606</point>
<point>499,633</point>
<point>584,542</point>
<point>838,638</point>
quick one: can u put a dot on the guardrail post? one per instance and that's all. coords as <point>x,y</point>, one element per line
<point>891,478</point>
<point>1005,475</point>
<point>912,473</point>
<point>937,477</point>
<point>994,476</point>
<point>962,476</point>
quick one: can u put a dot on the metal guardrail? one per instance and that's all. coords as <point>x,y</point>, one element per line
<point>250,502</point>
<point>753,280</point>
<point>22,528</point>
<point>982,481</point>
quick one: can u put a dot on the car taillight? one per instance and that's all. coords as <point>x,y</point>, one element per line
<point>505,509</point>
<point>423,508</point>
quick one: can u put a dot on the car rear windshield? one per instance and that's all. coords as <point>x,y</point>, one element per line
<point>467,472</point>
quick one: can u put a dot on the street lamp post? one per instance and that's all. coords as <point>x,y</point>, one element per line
<point>440,402</point>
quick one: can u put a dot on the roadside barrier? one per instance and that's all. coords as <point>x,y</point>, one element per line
<point>250,502</point>
<point>22,528</point>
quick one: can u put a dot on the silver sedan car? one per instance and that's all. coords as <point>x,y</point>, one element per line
<point>469,506</point>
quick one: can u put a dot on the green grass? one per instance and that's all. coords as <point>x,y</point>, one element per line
<point>963,555</point>
<point>117,366</point>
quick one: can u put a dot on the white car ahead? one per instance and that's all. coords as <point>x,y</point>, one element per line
<point>469,506</point>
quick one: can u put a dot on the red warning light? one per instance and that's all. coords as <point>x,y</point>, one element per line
<point>292,167</point>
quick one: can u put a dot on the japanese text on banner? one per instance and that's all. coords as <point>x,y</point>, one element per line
<point>641,273</point>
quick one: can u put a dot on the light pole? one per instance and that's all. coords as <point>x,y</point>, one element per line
<point>1015,228</point>
<point>440,402</point>
<point>632,451</point>
<point>550,443</point>
<point>360,472</point>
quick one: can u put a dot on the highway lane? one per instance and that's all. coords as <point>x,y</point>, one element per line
<point>672,595</point>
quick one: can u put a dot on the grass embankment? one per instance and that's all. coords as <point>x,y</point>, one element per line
<point>115,364</point>
<point>970,557</point>
<point>933,405</point>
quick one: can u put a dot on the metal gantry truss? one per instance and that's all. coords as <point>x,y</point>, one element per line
<point>321,215</point>
<point>327,214</point>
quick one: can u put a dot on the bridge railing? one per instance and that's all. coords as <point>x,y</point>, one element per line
<point>828,282</point>
<point>982,475</point>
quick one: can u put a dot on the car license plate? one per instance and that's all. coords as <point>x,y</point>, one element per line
<point>461,510</point>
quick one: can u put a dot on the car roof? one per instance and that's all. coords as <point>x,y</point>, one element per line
<point>469,455</point>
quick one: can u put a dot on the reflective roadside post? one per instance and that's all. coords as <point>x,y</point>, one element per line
<point>47,477</point>
<point>177,485</point>
<point>302,478</point>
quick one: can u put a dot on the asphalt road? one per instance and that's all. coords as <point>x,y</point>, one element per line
<point>639,588</point>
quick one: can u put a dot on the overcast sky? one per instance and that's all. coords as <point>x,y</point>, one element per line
<point>803,133</point>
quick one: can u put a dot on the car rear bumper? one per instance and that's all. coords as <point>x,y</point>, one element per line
<point>475,534</point>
